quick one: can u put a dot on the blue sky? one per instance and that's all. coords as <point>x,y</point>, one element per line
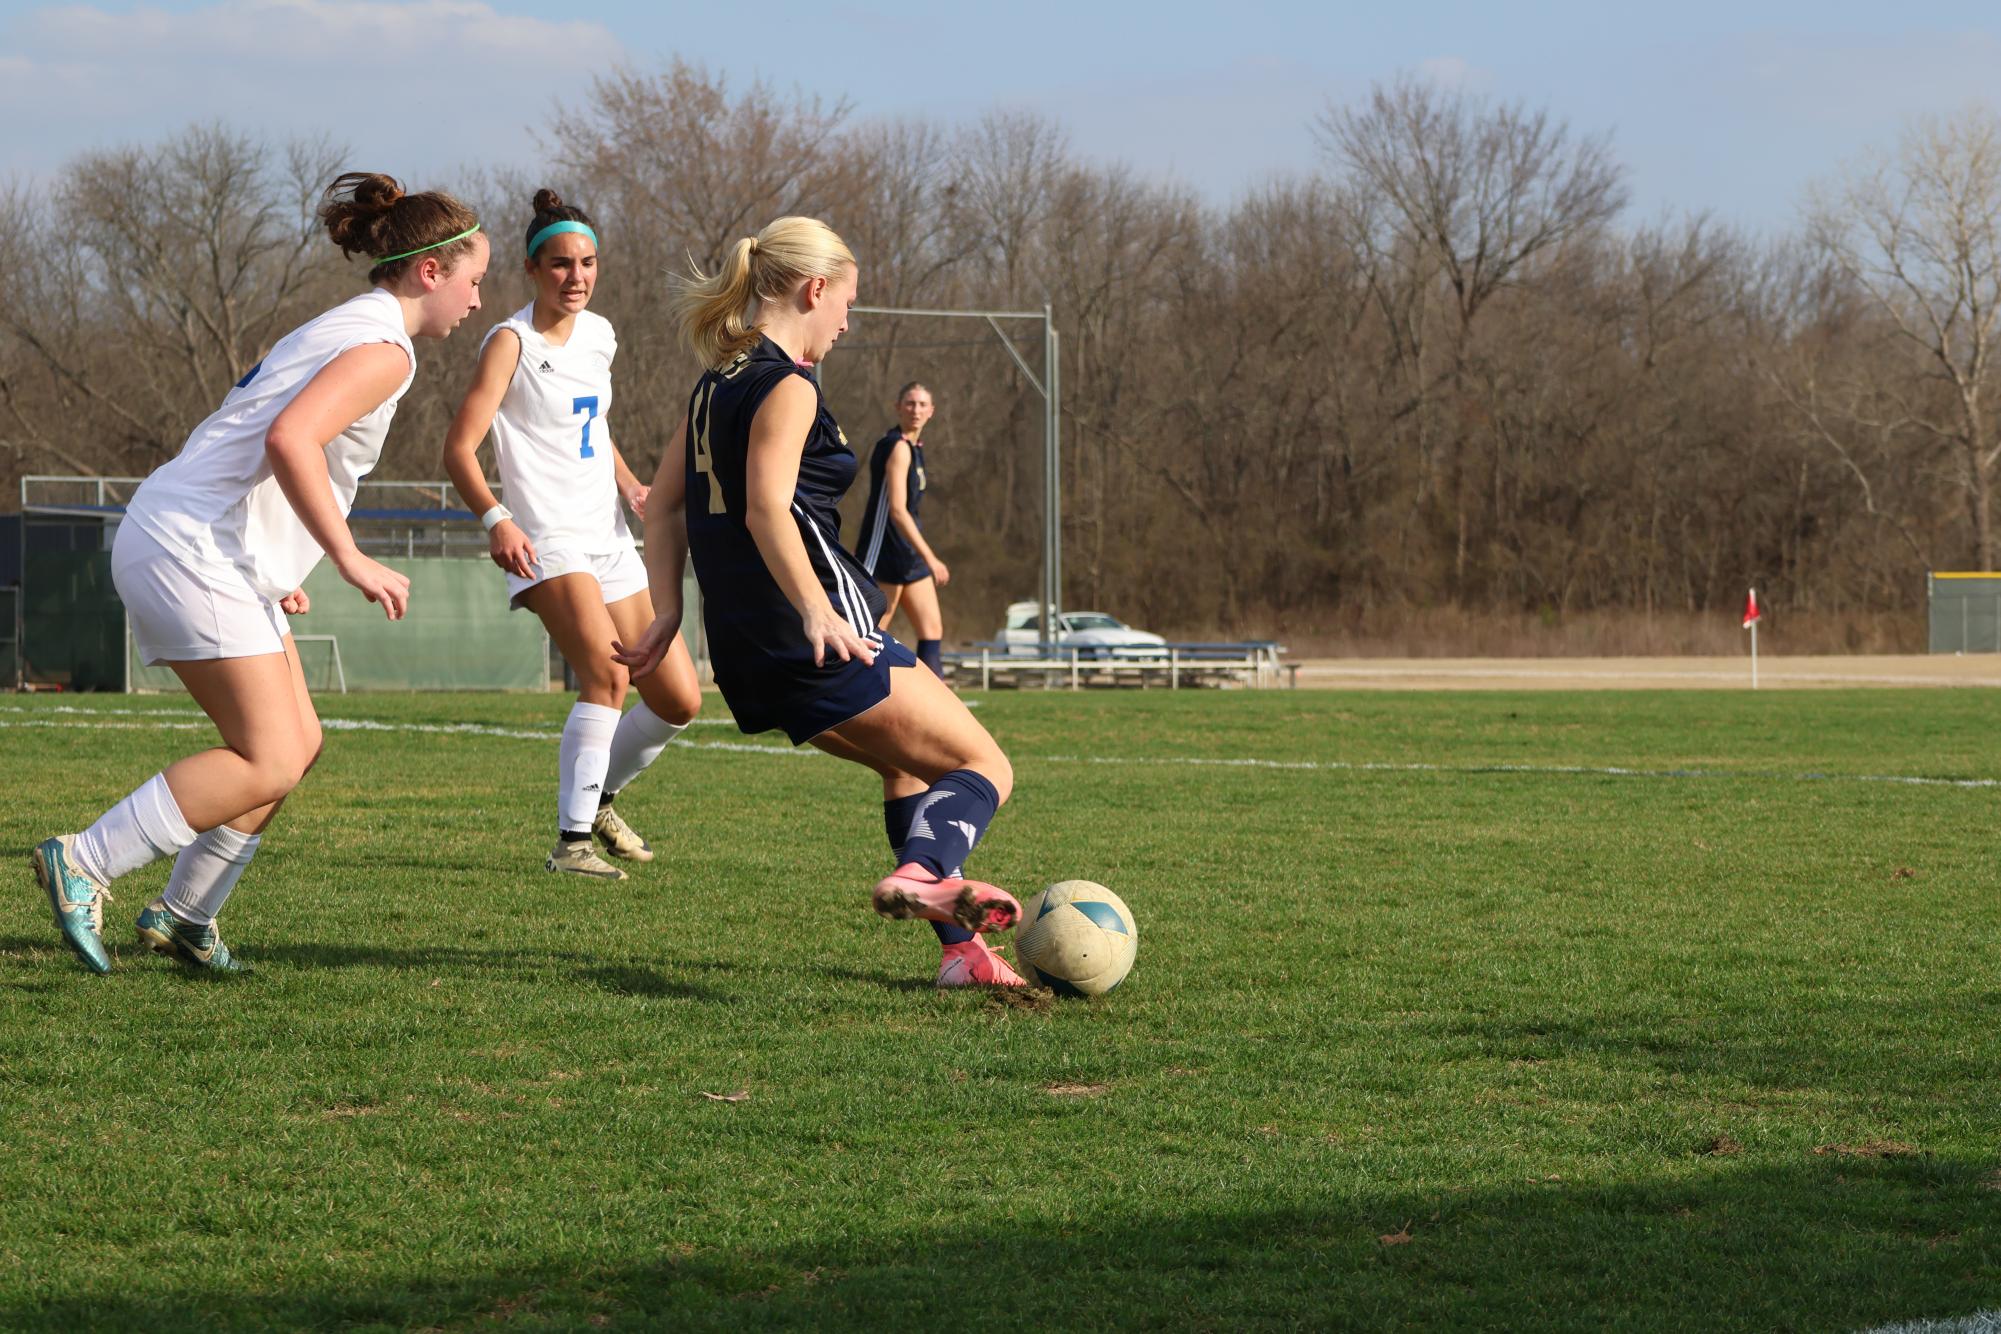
<point>1730,108</point>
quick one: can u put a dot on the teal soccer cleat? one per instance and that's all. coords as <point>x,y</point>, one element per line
<point>196,946</point>
<point>77,899</point>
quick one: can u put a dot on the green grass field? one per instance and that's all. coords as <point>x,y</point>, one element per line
<point>1435,1023</point>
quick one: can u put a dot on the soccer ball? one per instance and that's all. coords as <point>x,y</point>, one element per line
<point>1076,938</point>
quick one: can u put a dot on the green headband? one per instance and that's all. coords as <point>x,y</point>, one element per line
<point>555,229</point>
<point>391,259</point>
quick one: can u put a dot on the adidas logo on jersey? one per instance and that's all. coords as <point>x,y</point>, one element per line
<point>546,366</point>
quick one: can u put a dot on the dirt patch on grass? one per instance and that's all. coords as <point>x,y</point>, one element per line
<point>1076,1090</point>
<point>1035,1000</point>
<point>1868,1148</point>
<point>1723,1146</point>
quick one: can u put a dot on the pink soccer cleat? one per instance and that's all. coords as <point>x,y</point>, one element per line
<point>911,891</point>
<point>970,963</point>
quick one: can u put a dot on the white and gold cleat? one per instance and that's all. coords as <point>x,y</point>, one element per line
<point>578,857</point>
<point>620,839</point>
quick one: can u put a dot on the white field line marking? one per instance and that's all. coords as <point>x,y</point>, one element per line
<point>109,727</point>
<point>1980,1322</point>
<point>1657,674</point>
<point>1581,770</point>
<point>1179,761</point>
<point>201,723</point>
<point>73,711</point>
<point>481,729</point>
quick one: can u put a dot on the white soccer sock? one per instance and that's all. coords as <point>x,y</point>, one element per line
<point>146,825</point>
<point>581,766</point>
<point>205,872</point>
<point>642,734</point>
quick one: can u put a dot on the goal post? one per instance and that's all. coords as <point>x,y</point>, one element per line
<point>1049,386</point>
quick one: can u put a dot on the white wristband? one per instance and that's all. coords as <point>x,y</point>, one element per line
<point>494,516</point>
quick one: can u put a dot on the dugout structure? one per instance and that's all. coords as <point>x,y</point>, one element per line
<point>1049,386</point>
<point>1965,611</point>
<point>72,632</point>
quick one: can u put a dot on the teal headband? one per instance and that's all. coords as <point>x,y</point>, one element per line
<point>391,259</point>
<point>557,228</point>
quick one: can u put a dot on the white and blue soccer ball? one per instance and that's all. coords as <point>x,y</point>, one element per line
<point>1077,938</point>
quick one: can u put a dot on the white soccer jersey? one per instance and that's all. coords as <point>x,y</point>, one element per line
<point>216,504</point>
<point>549,435</point>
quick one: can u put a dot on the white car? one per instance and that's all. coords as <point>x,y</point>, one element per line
<point>1092,633</point>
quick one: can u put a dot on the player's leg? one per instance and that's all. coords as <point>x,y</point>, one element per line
<point>572,609</point>
<point>965,960</point>
<point>264,753</point>
<point>181,922</point>
<point>920,604</point>
<point>924,730</point>
<point>892,595</point>
<point>669,698</point>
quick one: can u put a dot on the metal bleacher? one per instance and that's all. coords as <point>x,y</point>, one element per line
<point>1249,664</point>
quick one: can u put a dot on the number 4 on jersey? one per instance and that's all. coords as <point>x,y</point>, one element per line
<point>589,406</point>
<point>705,462</point>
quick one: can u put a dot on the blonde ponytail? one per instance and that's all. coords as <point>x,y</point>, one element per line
<point>716,312</point>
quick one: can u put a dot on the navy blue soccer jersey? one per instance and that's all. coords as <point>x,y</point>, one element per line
<point>881,549</point>
<point>754,631</point>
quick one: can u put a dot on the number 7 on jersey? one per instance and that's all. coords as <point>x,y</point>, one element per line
<point>588,405</point>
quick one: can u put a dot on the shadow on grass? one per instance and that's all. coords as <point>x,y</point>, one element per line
<point>622,979</point>
<point>1744,1048</point>
<point>1820,1244</point>
<point>877,979</point>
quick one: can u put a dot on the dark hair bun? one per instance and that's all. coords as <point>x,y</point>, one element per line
<point>357,204</point>
<point>372,190</point>
<point>549,207</point>
<point>367,213</point>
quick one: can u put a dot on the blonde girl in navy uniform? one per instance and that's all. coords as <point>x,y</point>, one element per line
<point>749,487</point>
<point>215,545</point>
<point>543,389</point>
<point>891,543</point>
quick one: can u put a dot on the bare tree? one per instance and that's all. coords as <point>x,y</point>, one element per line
<point>1918,231</point>
<point>686,167</point>
<point>1484,190</point>
<point>158,276</point>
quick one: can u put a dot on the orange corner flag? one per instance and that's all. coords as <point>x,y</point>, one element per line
<point>1751,612</point>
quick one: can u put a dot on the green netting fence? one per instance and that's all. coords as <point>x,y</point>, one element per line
<point>1965,611</point>
<point>72,624</point>
<point>459,634</point>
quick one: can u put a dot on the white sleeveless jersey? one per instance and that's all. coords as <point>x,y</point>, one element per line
<point>550,438</point>
<point>216,504</point>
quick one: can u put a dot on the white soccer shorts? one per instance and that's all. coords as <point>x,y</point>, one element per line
<point>184,613</point>
<point>619,573</point>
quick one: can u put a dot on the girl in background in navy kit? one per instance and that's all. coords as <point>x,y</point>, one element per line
<point>891,543</point>
<point>749,486</point>
<point>543,388</point>
<point>212,552</point>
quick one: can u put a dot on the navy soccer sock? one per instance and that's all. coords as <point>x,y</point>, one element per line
<point>928,654</point>
<point>948,820</point>
<point>897,813</point>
